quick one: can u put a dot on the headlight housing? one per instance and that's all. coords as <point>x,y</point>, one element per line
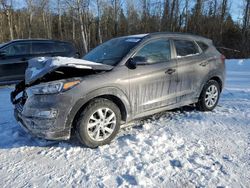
<point>53,87</point>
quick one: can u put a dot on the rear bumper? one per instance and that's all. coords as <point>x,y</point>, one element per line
<point>41,127</point>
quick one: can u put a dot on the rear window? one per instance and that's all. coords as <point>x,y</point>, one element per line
<point>42,47</point>
<point>185,48</point>
<point>202,45</point>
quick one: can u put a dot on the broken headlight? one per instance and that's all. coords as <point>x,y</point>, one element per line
<point>53,87</point>
<point>48,88</point>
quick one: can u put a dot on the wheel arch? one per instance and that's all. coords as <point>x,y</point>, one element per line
<point>218,80</point>
<point>114,94</point>
<point>212,76</point>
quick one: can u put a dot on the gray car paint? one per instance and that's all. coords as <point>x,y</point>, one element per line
<point>139,92</point>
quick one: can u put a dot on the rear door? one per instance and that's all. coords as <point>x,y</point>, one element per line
<point>14,63</point>
<point>204,67</point>
<point>153,84</point>
<point>189,60</point>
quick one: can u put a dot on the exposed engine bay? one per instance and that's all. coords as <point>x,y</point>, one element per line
<point>47,69</point>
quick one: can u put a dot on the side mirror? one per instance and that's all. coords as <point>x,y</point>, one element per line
<point>2,53</point>
<point>137,60</point>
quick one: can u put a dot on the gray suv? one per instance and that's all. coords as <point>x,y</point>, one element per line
<point>121,80</point>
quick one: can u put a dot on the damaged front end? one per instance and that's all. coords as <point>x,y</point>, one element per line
<point>43,100</point>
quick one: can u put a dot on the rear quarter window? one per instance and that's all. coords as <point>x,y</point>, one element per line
<point>202,45</point>
<point>185,48</point>
<point>42,47</point>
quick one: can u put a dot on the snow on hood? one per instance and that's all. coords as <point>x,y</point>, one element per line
<point>39,67</point>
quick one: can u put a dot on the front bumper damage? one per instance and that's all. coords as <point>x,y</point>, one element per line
<point>40,116</point>
<point>48,115</point>
<point>40,127</point>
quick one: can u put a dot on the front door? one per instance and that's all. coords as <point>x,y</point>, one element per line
<point>153,83</point>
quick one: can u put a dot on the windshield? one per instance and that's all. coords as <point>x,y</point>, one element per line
<point>112,51</point>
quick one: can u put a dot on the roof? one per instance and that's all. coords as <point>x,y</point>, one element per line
<point>36,39</point>
<point>33,39</point>
<point>170,34</point>
<point>138,35</point>
<point>179,34</point>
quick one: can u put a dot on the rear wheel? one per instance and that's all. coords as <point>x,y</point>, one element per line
<point>209,96</point>
<point>99,123</point>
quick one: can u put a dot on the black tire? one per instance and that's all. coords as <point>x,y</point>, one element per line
<point>84,117</point>
<point>201,104</point>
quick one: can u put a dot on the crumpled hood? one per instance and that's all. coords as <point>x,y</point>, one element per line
<point>39,67</point>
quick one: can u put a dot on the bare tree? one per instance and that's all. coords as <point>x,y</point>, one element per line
<point>223,14</point>
<point>173,4</point>
<point>30,6</point>
<point>246,29</point>
<point>7,8</point>
<point>81,6</point>
<point>98,4</point>
<point>145,15</point>
<point>116,4</point>
<point>88,23</point>
<point>59,9</point>
<point>197,16</point>
<point>186,14</point>
<point>246,17</point>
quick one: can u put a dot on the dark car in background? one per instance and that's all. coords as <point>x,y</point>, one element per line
<point>15,54</point>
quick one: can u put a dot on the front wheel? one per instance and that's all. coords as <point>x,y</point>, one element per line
<point>209,96</point>
<point>99,123</point>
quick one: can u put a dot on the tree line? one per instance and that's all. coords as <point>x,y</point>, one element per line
<point>88,23</point>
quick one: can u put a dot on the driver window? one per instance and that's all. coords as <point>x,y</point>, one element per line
<point>156,51</point>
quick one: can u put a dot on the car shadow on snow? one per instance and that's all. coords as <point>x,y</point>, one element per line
<point>15,137</point>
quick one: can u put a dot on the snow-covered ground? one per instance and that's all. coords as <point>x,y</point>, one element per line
<point>181,148</point>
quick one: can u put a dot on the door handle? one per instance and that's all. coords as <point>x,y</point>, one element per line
<point>170,71</point>
<point>203,64</point>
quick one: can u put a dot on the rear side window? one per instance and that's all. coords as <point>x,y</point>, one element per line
<point>17,49</point>
<point>42,48</point>
<point>63,47</point>
<point>185,48</point>
<point>156,51</point>
<point>202,45</point>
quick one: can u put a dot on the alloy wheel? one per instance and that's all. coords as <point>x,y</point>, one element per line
<point>211,96</point>
<point>101,124</point>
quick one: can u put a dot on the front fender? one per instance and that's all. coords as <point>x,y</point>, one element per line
<point>113,91</point>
